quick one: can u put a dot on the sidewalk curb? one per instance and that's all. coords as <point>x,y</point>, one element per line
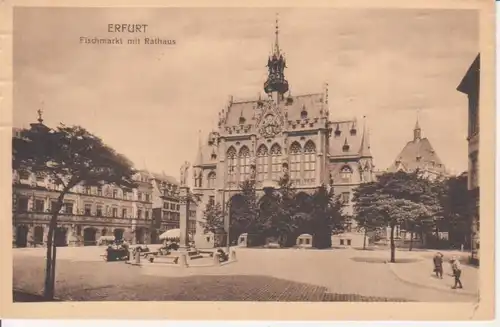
<point>406,281</point>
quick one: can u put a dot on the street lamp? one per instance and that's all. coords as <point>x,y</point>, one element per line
<point>226,220</point>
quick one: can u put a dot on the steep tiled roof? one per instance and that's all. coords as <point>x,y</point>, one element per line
<point>207,153</point>
<point>418,154</point>
<point>470,82</point>
<point>164,178</point>
<point>313,103</point>
<point>343,142</point>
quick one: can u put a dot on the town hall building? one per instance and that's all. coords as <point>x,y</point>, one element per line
<point>275,133</point>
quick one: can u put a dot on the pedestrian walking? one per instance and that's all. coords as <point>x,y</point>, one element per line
<point>438,265</point>
<point>457,272</point>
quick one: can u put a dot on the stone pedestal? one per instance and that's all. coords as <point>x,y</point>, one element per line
<point>183,260</point>
<point>216,259</point>
<point>184,217</point>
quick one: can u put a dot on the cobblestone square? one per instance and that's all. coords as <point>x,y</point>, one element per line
<point>258,275</point>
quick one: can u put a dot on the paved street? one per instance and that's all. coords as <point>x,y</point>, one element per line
<point>258,275</point>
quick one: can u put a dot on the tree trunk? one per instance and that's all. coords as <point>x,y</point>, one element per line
<point>411,240</point>
<point>364,240</point>
<point>437,236</point>
<point>51,252</point>
<point>393,246</point>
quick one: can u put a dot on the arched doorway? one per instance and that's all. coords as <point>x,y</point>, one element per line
<point>89,234</point>
<point>22,236</point>
<point>118,232</point>
<point>38,235</point>
<point>60,236</point>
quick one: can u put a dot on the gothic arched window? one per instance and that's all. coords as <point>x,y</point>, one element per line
<point>309,162</point>
<point>295,156</point>
<point>231,165</point>
<point>262,162</point>
<point>346,174</point>
<point>275,162</point>
<point>211,179</point>
<point>244,157</point>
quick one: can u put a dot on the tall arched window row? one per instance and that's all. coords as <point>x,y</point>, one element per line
<point>309,162</point>
<point>231,164</point>
<point>275,162</point>
<point>262,162</point>
<point>295,160</point>
<point>211,179</point>
<point>244,157</point>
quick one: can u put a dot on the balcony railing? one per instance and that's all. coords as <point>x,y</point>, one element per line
<point>30,217</point>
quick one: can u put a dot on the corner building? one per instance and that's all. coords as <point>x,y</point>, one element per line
<point>470,86</point>
<point>265,137</point>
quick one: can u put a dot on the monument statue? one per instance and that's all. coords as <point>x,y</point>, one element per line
<point>184,173</point>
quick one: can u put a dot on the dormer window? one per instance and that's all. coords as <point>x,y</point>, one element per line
<point>353,131</point>
<point>345,148</point>
<point>289,101</point>
<point>337,131</point>
<point>213,156</point>
<point>242,120</point>
<point>260,104</point>
<point>303,113</point>
<point>419,158</point>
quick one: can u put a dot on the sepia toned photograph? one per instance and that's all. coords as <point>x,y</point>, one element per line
<point>246,154</point>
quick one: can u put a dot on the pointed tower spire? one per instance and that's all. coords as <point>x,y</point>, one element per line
<point>276,64</point>
<point>277,32</point>
<point>417,132</point>
<point>364,149</point>
<point>199,156</point>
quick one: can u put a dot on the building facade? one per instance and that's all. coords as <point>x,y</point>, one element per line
<point>264,137</point>
<point>166,206</point>
<point>470,86</point>
<point>419,154</point>
<point>88,212</point>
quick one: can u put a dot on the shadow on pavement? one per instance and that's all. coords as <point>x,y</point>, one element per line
<point>19,296</point>
<point>384,260</point>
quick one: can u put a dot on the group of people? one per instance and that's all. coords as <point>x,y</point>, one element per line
<point>455,266</point>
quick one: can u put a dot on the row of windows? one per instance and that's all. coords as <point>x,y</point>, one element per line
<point>96,190</point>
<point>302,163</point>
<point>167,215</point>
<point>68,208</point>
<point>171,206</point>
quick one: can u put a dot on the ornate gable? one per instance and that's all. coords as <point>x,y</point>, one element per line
<point>270,121</point>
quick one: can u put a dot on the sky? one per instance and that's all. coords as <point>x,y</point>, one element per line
<point>149,102</point>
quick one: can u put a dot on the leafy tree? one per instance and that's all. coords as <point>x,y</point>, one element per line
<point>287,223</point>
<point>278,212</point>
<point>456,209</point>
<point>213,220</point>
<point>244,213</point>
<point>326,216</point>
<point>68,156</point>
<point>394,199</point>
